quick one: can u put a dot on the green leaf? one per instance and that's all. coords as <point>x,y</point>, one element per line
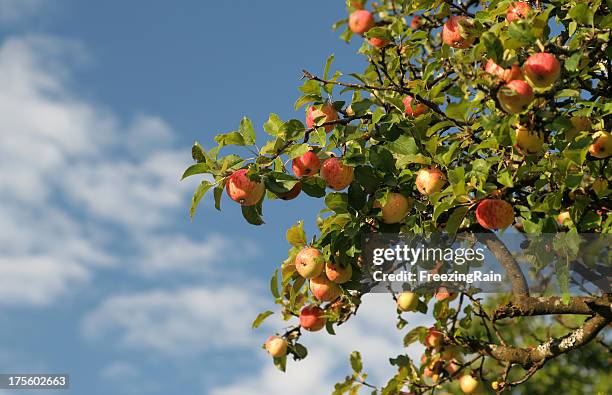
<point>197,196</point>
<point>337,202</point>
<point>455,219</point>
<point>253,214</point>
<point>328,63</point>
<point>231,138</point>
<point>299,351</point>
<point>197,153</point>
<point>260,319</point>
<point>198,168</point>
<point>495,48</point>
<point>281,363</point>
<point>274,285</point>
<point>218,193</point>
<point>273,125</point>
<point>313,186</point>
<point>311,88</point>
<point>356,363</point>
<point>414,335</point>
<point>297,150</point>
<point>246,130</point>
<point>296,235</point>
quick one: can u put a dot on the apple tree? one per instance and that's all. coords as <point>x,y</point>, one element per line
<point>471,116</point>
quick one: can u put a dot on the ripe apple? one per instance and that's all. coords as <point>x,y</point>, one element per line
<point>434,338</point>
<point>378,42</point>
<point>602,145</point>
<point>309,262</point>
<point>443,294</point>
<point>312,319</point>
<point>542,69</point>
<point>292,193</point>
<point>242,190</point>
<point>564,218</point>
<point>468,384</point>
<point>494,69</point>
<point>456,34</point>
<point>416,22</point>
<point>336,174</point>
<point>360,21</point>
<point>407,301</point>
<point>395,209</point>
<point>430,180</point>
<point>323,289</point>
<point>337,273</point>
<point>414,109</point>
<point>515,96</point>
<point>528,142</point>
<point>579,124</point>
<point>517,10</point>
<point>494,214</point>
<point>513,73</point>
<point>306,165</point>
<point>316,116</point>
<point>276,346</point>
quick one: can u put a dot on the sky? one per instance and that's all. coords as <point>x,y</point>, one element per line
<point>102,275</point>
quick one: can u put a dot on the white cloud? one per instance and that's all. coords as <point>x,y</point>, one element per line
<point>120,371</point>
<point>179,322</point>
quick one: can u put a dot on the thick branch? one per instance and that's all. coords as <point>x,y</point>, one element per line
<point>530,306</point>
<point>513,270</point>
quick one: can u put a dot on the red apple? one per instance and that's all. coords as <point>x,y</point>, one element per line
<point>494,214</point>
<point>430,180</point>
<point>395,209</point>
<point>434,338</point>
<point>517,10</point>
<point>602,145</point>
<point>514,73</point>
<point>414,109</point>
<point>292,193</point>
<point>515,96</point>
<point>542,69</point>
<point>242,190</point>
<point>416,22</point>
<point>494,69</point>
<point>337,273</point>
<point>323,289</point>
<point>312,318</point>
<point>336,174</point>
<point>316,116</point>
<point>443,294</point>
<point>564,218</point>
<point>276,346</point>
<point>360,21</point>
<point>309,262</point>
<point>456,32</point>
<point>306,165</point>
<point>378,42</point>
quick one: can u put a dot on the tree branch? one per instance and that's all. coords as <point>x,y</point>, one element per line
<point>530,306</point>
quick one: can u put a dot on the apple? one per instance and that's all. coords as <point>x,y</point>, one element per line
<point>564,218</point>
<point>336,174</point>
<point>414,109</point>
<point>602,145</point>
<point>456,34</point>
<point>312,318</point>
<point>309,262</point>
<point>242,190</point>
<point>337,273</point>
<point>528,142</point>
<point>494,69</point>
<point>276,346</point>
<point>515,96</point>
<point>306,165</point>
<point>494,214</point>
<point>316,116</point>
<point>542,69</point>
<point>360,21</point>
<point>378,42</point>
<point>443,294</point>
<point>430,180</point>
<point>434,338</point>
<point>407,301</point>
<point>468,384</point>
<point>292,193</point>
<point>514,73</point>
<point>579,124</point>
<point>416,22</point>
<point>323,289</point>
<point>517,10</point>
<point>395,209</point>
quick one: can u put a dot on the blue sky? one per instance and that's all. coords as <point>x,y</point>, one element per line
<point>102,276</point>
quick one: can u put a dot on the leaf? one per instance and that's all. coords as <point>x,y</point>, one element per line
<point>247,132</point>
<point>313,186</point>
<point>218,193</point>
<point>253,214</point>
<point>281,363</point>
<point>297,150</point>
<point>337,202</point>
<point>273,125</point>
<point>495,48</point>
<point>356,363</point>
<point>231,138</point>
<point>197,153</point>
<point>274,285</point>
<point>197,196</point>
<point>455,219</point>
<point>296,235</point>
<point>414,335</point>
<point>311,88</point>
<point>198,168</point>
<point>328,63</point>
<point>299,351</point>
<point>260,319</point>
